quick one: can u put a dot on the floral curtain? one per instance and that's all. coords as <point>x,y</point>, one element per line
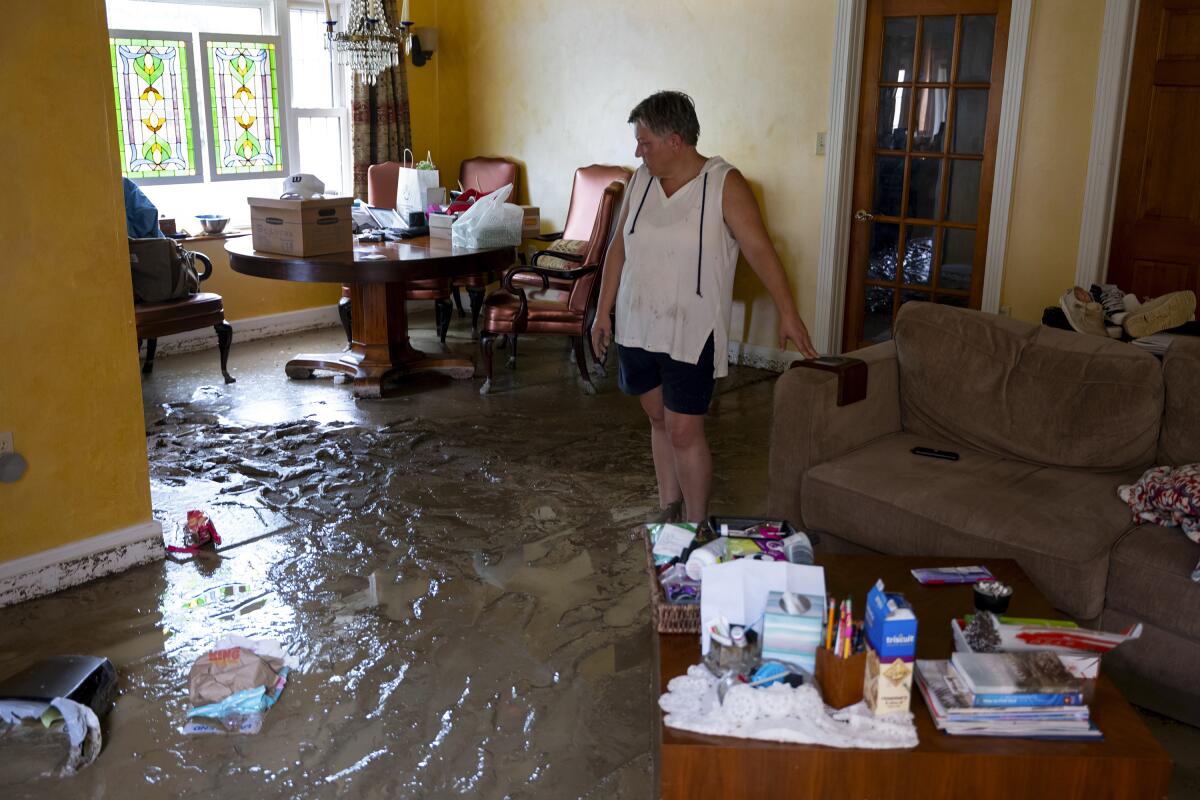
<point>379,125</point>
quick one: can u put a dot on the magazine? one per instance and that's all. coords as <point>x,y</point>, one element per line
<point>1032,672</point>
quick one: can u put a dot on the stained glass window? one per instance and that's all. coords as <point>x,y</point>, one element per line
<point>243,103</point>
<point>155,109</point>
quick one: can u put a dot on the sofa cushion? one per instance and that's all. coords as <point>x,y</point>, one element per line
<point>1058,524</point>
<point>1018,390</point>
<point>1180,440</point>
<point>1149,577</point>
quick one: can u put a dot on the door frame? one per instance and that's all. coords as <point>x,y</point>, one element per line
<point>1108,131</point>
<point>849,32</point>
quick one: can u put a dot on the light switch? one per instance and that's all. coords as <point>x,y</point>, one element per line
<point>820,143</point>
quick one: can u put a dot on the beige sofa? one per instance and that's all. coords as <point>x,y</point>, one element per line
<point>1047,423</point>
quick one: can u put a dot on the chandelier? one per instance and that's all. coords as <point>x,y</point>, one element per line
<point>368,44</point>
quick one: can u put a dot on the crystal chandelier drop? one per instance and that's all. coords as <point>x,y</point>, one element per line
<point>369,44</point>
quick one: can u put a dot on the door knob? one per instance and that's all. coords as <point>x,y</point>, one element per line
<point>862,216</point>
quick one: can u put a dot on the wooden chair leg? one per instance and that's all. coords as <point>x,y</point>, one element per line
<point>487,344</point>
<point>581,362</point>
<point>148,364</point>
<point>224,339</point>
<point>476,295</point>
<point>458,302</point>
<point>512,357</point>
<point>442,312</point>
<point>344,313</point>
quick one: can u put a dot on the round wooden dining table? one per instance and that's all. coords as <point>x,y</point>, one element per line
<point>376,275</point>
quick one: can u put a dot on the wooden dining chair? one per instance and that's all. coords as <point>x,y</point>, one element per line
<point>485,175</point>
<point>587,189</point>
<point>382,180</point>
<point>515,309</point>
<point>202,310</point>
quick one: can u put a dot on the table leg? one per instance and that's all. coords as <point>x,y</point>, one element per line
<point>380,344</point>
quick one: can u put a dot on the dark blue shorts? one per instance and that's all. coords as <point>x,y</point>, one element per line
<point>687,388</point>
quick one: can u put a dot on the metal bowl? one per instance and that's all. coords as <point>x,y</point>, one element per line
<point>212,223</point>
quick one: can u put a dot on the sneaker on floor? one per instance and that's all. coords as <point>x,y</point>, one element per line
<point>1168,311</point>
<point>1084,314</point>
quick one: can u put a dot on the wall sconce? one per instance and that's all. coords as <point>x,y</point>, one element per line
<point>422,42</point>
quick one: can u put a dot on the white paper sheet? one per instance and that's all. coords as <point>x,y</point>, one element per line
<point>738,589</point>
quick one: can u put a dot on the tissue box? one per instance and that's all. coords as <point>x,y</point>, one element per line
<point>890,628</point>
<point>531,221</point>
<point>793,637</point>
<point>439,225</point>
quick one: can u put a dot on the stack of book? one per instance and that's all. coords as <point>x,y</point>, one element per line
<point>1020,695</point>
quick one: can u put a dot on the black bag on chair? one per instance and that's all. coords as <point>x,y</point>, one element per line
<point>162,270</point>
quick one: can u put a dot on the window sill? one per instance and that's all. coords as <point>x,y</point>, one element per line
<point>205,237</point>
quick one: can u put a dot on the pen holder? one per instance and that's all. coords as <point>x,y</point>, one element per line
<point>840,679</point>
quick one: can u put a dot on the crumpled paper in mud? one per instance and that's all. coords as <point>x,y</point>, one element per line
<point>235,665</point>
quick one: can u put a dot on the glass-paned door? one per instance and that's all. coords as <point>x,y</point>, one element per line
<point>929,111</point>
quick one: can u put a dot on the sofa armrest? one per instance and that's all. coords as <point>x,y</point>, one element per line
<point>808,427</point>
<point>1179,437</point>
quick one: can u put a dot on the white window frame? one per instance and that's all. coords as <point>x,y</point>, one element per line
<point>341,95</point>
<point>276,29</point>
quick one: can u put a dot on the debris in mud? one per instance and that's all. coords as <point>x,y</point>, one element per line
<point>233,686</point>
<point>50,716</point>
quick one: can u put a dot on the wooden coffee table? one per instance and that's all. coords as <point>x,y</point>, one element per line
<point>1128,763</point>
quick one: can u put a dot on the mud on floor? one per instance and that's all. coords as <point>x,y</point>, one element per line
<point>467,622</point>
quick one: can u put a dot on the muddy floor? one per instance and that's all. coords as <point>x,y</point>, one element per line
<point>455,575</point>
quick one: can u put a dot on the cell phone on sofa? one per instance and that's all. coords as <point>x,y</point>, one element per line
<point>929,452</point>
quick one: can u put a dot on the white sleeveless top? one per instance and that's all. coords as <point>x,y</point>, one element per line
<point>677,282</point>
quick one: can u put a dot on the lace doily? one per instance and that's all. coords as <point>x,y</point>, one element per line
<point>778,713</point>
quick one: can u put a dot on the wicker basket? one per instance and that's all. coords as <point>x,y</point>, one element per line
<point>668,617</point>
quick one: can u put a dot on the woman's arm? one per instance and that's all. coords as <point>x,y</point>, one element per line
<point>744,220</point>
<point>610,281</point>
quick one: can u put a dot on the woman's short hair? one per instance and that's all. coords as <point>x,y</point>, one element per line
<point>665,113</point>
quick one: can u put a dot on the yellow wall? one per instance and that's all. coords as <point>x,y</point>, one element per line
<point>69,387</point>
<point>1052,154</point>
<point>245,296</point>
<point>551,84</point>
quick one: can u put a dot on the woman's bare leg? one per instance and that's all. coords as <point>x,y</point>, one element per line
<point>669,490</point>
<point>692,460</point>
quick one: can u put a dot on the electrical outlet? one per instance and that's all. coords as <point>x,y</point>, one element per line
<point>820,143</point>
<point>6,443</point>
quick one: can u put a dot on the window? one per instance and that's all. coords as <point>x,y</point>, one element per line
<point>236,94</point>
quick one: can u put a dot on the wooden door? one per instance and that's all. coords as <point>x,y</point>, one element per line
<point>929,112</point>
<point>1156,221</point>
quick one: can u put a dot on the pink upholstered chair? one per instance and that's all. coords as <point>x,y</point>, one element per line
<point>381,192</point>
<point>515,310</point>
<point>485,175</point>
<point>586,193</point>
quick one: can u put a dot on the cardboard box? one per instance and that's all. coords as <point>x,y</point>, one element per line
<point>302,227</point>
<point>439,225</point>
<point>531,222</point>
<point>793,637</point>
<point>890,629</point>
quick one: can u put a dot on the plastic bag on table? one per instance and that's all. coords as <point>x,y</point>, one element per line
<point>489,222</point>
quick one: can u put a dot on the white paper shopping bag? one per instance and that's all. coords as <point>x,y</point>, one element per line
<point>413,183</point>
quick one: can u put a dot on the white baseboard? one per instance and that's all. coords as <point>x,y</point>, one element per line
<point>251,328</point>
<point>752,355</point>
<point>79,562</point>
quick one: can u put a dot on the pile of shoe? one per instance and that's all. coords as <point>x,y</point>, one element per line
<point>1107,311</point>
